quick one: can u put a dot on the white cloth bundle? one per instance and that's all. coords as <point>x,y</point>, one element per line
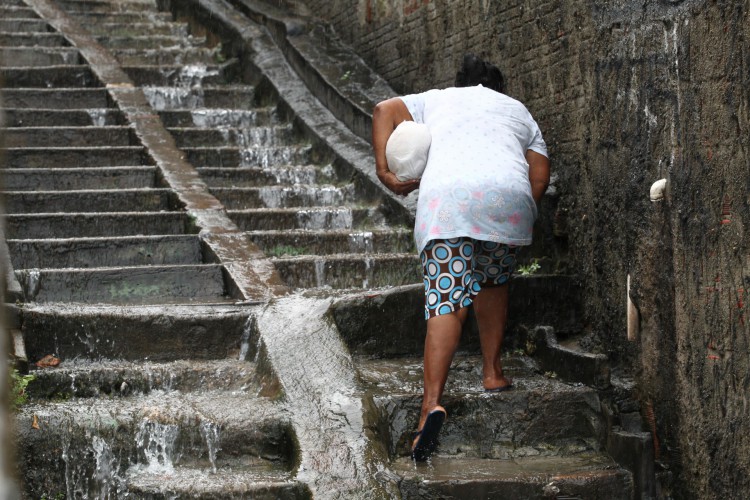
<point>407,150</point>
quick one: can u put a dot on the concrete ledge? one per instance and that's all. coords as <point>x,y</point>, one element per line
<point>574,366</point>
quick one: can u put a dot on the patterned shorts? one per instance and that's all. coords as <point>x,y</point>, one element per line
<point>455,270</point>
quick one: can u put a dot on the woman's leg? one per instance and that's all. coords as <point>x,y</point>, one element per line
<point>494,263</point>
<point>491,310</point>
<point>443,335</point>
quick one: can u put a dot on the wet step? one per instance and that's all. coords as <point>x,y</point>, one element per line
<point>68,99</point>
<point>107,6</point>
<point>219,117</point>
<point>258,482</point>
<point>86,378</point>
<point>32,39</point>
<point>93,225</point>
<point>103,200</point>
<point>75,157</point>
<point>39,56</point>
<point>235,98</point>
<point>164,433</point>
<point>167,56</point>
<point>149,42</point>
<point>13,12</point>
<point>49,76</point>
<point>127,285</point>
<point>138,29</point>
<point>105,252</point>
<point>540,416</point>
<point>239,198</point>
<point>24,25</point>
<point>144,332</point>
<point>305,242</point>
<point>57,137</point>
<point>253,156</point>
<point>277,135</point>
<point>182,75</point>
<point>259,176</point>
<point>315,218</point>
<point>28,117</point>
<point>67,179</point>
<point>84,15</point>
<point>349,271</point>
<point>589,476</point>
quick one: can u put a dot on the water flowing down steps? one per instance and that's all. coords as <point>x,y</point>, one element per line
<point>169,179</point>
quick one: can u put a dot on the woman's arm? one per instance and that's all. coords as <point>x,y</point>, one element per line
<point>385,118</point>
<point>538,174</point>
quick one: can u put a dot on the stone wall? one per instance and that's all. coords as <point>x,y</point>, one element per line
<point>626,93</point>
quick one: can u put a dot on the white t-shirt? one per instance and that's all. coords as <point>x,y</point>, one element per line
<point>476,182</point>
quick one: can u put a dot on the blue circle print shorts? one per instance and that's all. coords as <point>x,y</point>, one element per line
<point>455,270</point>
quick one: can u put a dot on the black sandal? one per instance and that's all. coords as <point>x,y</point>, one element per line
<point>427,436</point>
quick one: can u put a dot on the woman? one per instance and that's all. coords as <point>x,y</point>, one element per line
<point>487,170</point>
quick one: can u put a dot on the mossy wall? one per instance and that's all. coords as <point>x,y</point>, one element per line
<point>626,93</point>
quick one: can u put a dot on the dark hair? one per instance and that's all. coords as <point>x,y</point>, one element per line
<point>475,71</point>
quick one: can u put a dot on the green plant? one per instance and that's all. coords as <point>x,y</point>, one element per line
<point>529,269</point>
<point>289,250</point>
<point>18,396</point>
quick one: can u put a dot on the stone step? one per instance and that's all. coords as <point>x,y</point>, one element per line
<point>107,6</point>
<point>10,39</point>
<point>24,25</point>
<point>277,135</point>
<point>232,99</point>
<point>255,156</point>
<point>118,16</point>
<point>167,56</point>
<point>182,76</point>
<point>315,218</point>
<point>39,56</point>
<point>67,179</point>
<point>96,117</point>
<point>48,76</point>
<point>88,378</point>
<point>306,242</point>
<point>349,271</point>
<point>58,137</point>
<point>284,196</point>
<point>589,476</point>
<point>135,29</point>
<point>258,483</point>
<point>105,252</point>
<point>74,157</point>
<point>93,225</point>
<point>103,200</point>
<point>258,176</point>
<point>148,42</point>
<point>220,117</point>
<point>205,283</point>
<point>154,333</point>
<point>17,12</point>
<point>156,433</point>
<point>540,416</point>
<point>364,321</point>
<point>51,99</point>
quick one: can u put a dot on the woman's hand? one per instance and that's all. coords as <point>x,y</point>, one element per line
<point>390,181</point>
<point>385,118</point>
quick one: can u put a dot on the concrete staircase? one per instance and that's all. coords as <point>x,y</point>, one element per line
<point>166,179</point>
